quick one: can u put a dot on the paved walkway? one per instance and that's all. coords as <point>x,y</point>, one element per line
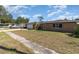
<point>36,48</point>
<point>6,30</point>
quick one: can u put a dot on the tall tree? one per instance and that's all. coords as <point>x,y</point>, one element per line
<point>37,25</point>
<point>5,16</point>
<point>3,11</point>
<point>21,20</point>
<point>40,18</point>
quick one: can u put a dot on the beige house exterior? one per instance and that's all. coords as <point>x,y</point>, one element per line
<point>60,25</point>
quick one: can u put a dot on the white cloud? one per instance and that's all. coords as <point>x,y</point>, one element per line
<point>25,16</point>
<point>76,16</point>
<point>53,13</point>
<point>48,11</point>
<point>62,17</point>
<point>35,18</point>
<point>33,5</point>
<point>50,6</point>
<point>36,15</point>
<point>14,8</point>
<point>62,7</point>
<point>68,15</point>
<point>58,8</point>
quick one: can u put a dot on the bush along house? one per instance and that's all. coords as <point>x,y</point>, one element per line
<point>60,25</point>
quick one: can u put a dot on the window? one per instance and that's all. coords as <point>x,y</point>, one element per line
<point>60,25</point>
<point>57,25</point>
<point>53,25</point>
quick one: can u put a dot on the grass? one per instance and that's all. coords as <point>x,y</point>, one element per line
<point>10,46</point>
<point>57,41</point>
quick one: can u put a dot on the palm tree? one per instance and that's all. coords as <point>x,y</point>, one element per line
<point>40,18</point>
<point>37,26</point>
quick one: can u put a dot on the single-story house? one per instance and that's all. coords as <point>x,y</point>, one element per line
<point>60,25</point>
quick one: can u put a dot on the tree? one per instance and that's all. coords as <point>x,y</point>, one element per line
<point>5,16</point>
<point>65,19</point>
<point>13,21</point>
<point>40,18</point>
<point>21,20</point>
<point>38,25</point>
<point>6,19</point>
<point>3,11</point>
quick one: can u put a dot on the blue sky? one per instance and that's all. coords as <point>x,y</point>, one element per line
<point>49,12</point>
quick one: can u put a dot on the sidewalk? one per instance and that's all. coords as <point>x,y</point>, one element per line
<point>7,30</point>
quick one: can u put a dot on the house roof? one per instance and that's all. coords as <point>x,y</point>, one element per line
<point>63,21</point>
<point>58,21</point>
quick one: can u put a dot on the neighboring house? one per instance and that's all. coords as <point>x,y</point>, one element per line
<point>29,25</point>
<point>18,26</point>
<point>60,25</point>
<point>33,25</point>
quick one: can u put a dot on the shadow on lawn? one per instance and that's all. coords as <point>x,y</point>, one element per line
<point>12,49</point>
<point>72,35</point>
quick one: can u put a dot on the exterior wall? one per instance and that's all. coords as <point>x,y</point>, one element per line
<point>30,26</point>
<point>66,26</point>
<point>47,26</point>
<point>69,27</point>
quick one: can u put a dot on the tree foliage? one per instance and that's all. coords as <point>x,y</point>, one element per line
<point>5,16</point>
<point>21,20</point>
<point>3,11</point>
<point>76,32</point>
<point>40,18</point>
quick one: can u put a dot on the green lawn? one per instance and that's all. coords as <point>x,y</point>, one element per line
<point>10,46</point>
<point>57,41</point>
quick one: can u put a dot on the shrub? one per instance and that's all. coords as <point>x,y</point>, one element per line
<point>76,32</point>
